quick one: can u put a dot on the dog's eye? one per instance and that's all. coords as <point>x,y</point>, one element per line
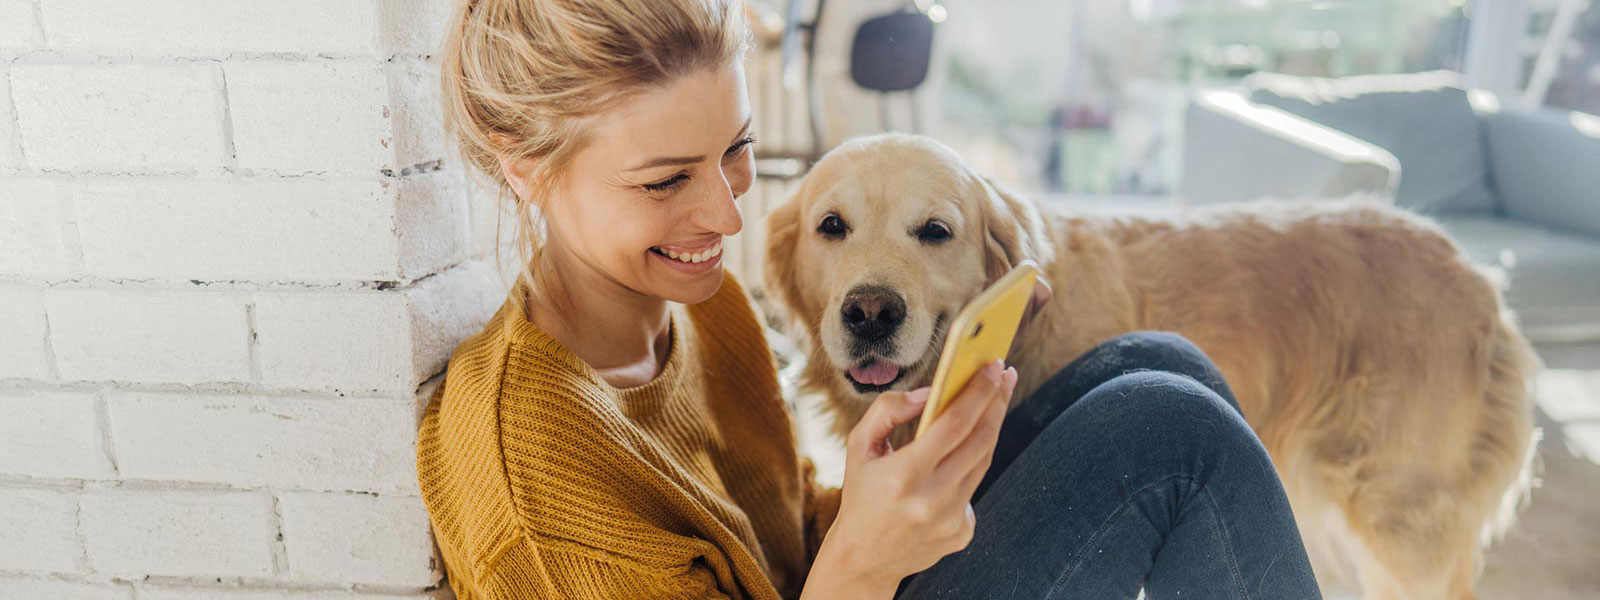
<point>832,227</point>
<point>932,232</point>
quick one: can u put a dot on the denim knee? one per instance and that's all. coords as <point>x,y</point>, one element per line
<point>1155,342</point>
<point>1167,414</point>
<point>1146,351</point>
<point>1154,350</point>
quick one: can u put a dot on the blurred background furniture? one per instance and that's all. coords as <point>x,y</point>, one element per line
<point>1518,188</point>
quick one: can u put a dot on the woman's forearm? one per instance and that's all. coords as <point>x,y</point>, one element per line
<point>837,574</point>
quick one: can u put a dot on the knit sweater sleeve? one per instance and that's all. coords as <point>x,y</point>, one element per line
<point>552,569</point>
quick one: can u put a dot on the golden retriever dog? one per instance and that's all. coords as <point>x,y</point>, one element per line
<point>1387,380</point>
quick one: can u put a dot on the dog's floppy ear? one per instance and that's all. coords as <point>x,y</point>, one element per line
<point>1013,230</point>
<point>778,268</point>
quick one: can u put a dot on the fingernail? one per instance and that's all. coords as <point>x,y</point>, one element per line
<point>994,371</point>
<point>1010,379</point>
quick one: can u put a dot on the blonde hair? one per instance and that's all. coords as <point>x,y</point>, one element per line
<point>525,78</point>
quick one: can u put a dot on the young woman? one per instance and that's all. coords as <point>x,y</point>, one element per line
<point>616,430</point>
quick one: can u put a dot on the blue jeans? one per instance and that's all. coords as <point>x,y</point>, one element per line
<point>1132,467</point>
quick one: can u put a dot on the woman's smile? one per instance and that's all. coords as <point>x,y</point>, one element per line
<point>690,260</point>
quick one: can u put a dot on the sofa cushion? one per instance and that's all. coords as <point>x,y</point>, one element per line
<point>1554,277</point>
<point>1423,119</point>
<point>1547,167</point>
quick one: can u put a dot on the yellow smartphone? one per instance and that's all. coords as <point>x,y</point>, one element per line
<point>980,334</point>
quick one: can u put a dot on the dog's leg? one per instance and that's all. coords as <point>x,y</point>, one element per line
<point>1419,538</point>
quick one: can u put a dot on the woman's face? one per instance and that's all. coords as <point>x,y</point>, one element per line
<point>648,203</point>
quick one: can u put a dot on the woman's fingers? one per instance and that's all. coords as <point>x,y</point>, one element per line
<point>966,464</point>
<point>869,438</point>
<point>959,418</point>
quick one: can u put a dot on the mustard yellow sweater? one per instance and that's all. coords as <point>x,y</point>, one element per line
<point>544,481</point>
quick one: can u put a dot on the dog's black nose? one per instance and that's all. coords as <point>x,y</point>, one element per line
<point>872,312</point>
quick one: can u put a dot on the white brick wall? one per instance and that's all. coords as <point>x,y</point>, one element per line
<point>24,354</point>
<point>120,118</point>
<point>235,254</point>
<point>135,533</point>
<point>148,336</point>
<point>266,441</point>
<point>10,150</point>
<point>52,434</point>
<point>207,27</point>
<point>19,28</point>
<point>345,128</point>
<point>334,341</point>
<point>39,531</point>
<point>33,222</point>
<point>355,537</point>
<point>253,227</point>
<point>18,588</point>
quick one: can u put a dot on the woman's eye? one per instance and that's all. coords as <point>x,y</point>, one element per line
<point>832,227</point>
<point>932,232</point>
<point>666,184</point>
<point>741,146</point>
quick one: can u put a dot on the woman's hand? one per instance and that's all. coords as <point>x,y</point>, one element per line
<point>904,509</point>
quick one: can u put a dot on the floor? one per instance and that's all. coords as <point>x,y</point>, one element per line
<point>1553,552</point>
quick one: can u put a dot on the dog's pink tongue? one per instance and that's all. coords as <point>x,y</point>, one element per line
<point>877,373</point>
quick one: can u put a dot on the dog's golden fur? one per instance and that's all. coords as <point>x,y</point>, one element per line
<point>1378,366</point>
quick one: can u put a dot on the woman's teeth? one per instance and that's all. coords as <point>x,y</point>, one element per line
<point>696,257</point>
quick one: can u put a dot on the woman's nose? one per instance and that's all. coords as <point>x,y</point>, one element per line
<point>719,211</point>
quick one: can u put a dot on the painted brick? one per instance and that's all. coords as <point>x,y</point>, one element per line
<point>39,531</point>
<point>178,533</point>
<point>311,117</point>
<point>365,444</point>
<point>302,87</point>
<point>335,341</point>
<point>413,109</point>
<point>119,118</point>
<point>32,235</point>
<point>24,353</point>
<point>10,147</point>
<point>44,589</point>
<point>18,26</point>
<point>413,26</point>
<point>449,307</point>
<point>431,221</point>
<point>151,337</point>
<point>212,28</point>
<point>358,538</point>
<point>297,229</point>
<point>51,434</point>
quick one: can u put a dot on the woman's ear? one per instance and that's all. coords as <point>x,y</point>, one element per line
<point>778,268</point>
<point>1013,230</point>
<point>519,173</point>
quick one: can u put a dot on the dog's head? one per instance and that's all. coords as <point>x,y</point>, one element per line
<point>880,246</point>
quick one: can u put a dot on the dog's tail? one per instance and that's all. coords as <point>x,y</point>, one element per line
<point>1508,427</point>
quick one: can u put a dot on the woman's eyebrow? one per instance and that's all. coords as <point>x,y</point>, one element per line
<point>664,161</point>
